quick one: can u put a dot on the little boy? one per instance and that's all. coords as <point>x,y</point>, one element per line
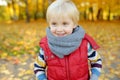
<point>66,48</point>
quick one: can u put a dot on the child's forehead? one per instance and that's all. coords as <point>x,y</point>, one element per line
<point>60,18</point>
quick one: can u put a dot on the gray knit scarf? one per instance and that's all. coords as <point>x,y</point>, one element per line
<point>62,46</point>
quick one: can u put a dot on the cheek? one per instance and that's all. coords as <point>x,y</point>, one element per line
<point>69,31</point>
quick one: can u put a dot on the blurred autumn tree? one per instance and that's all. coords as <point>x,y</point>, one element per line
<point>35,9</point>
<point>99,9</point>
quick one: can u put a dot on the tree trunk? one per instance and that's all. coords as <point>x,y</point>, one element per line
<point>36,12</point>
<point>27,12</point>
<point>43,6</point>
<point>13,17</point>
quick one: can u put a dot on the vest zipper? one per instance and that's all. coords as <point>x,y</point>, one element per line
<point>67,68</point>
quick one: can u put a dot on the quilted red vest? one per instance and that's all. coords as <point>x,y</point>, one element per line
<point>71,67</point>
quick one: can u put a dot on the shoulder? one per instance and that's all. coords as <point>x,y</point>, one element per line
<point>88,37</point>
<point>43,41</point>
<point>91,41</point>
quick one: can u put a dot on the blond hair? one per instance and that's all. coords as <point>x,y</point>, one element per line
<point>60,8</point>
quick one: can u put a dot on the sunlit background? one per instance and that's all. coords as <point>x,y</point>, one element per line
<point>23,24</point>
<point>35,9</point>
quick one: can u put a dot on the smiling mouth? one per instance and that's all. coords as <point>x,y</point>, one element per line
<point>60,35</point>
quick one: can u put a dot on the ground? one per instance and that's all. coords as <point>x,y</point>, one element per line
<point>20,44</point>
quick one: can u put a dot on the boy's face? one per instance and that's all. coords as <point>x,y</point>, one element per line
<point>61,26</point>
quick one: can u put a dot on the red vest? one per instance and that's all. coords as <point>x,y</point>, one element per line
<point>71,67</point>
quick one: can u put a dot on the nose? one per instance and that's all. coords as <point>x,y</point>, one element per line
<point>59,29</point>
